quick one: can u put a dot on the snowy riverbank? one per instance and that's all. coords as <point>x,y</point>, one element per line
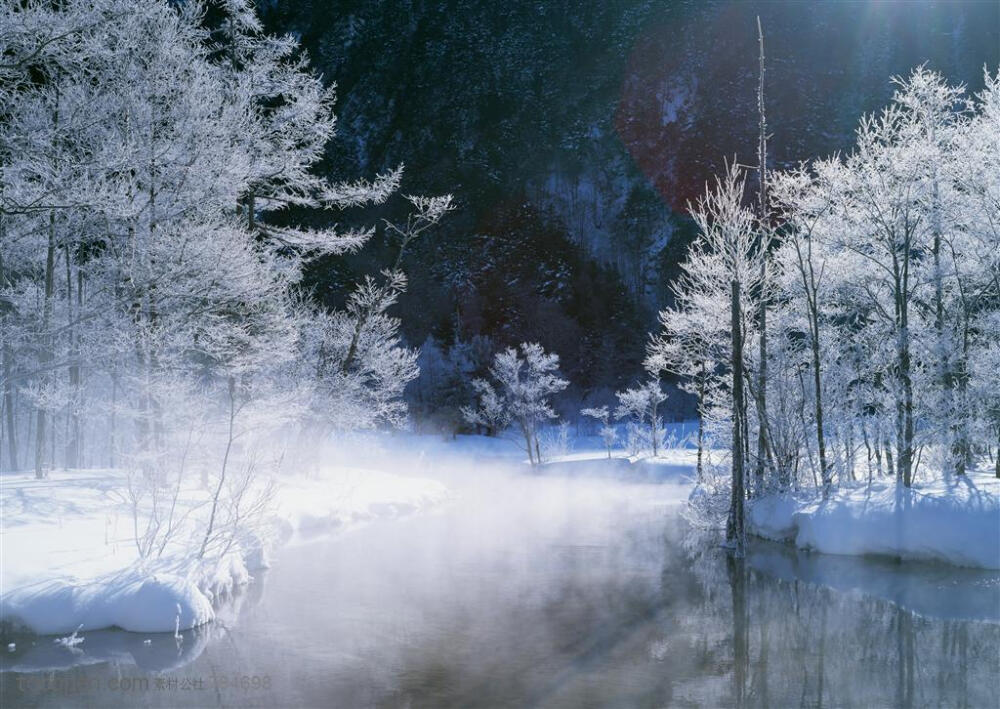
<point>956,523</point>
<point>70,561</point>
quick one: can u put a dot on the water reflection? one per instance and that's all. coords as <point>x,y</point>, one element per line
<point>548,592</point>
<point>737,575</point>
<point>798,642</point>
<point>933,590</point>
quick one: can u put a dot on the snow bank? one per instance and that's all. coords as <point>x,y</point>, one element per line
<point>69,560</point>
<point>956,523</point>
<point>130,600</point>
<point>169,595</point>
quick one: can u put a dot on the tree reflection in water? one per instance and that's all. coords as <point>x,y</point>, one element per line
<point>796,643</point>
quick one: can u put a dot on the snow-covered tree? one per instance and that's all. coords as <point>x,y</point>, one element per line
<point>722,277</point>
<point>884,289</point>
<point>490,410</point>
<point>525,380</point>
<point>640,405</point>
<point>607,432</point>
<point>146,151</point>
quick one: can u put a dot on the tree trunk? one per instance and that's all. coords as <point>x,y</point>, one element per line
<point>849,453</point>
<point>8,384</point>
<point>961,447</point>
<point>942,366</point>
<point>701,423</point>
<point>761,401</point>
<point>764,239</point>
<point>45,356</point>
<point>113,427</point>
<point>824,466</point>
<point>905,445</point>
<point>878,453</point>
<point>868,450</point>
<point>8,404</point>
<point>653,429</point>
<point>904,400</point>
<point>811,289</point>
<point>142,421</point>
<point>528,443</point>
<point>73,442</point>
<point>225,462</point>
<point>78,370</point>
<point>735,528</point>
<point>997,460</point>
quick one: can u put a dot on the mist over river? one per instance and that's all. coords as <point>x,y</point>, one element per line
<point>550,590</point>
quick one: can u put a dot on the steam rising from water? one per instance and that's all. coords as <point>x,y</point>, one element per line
<point>573,588</point>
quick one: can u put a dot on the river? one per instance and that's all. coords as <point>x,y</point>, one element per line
<point>551,591</point>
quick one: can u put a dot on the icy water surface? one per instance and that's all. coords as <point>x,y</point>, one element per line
<point>560,592</point>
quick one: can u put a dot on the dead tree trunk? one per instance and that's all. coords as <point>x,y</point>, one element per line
<point>764,239</point>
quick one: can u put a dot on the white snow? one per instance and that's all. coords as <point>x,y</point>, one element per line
<point>70,641</point>
<point>69,563</point>
<point>956,523</point>
<point>129,600</point>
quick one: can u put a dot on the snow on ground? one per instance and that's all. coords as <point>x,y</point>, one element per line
<point>673,466</point>
<point>956,523</point>
<point>69,560</point>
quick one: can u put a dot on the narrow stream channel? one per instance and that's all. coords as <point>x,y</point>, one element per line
<point>552,591</point>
